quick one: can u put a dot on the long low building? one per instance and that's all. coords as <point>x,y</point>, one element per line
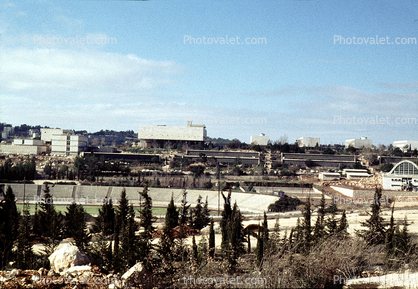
<point>321,160</point>
<point>158,135</point>
<point>146,158</point>
<point>229,157</point>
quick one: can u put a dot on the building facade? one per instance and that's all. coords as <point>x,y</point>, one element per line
<point>309,142</point>
<point>67,144</point>
<point>403,176</point>
<point>24,147</point>
<point>362,142</point>
<point>160,134</point>
<point>261,140</point>
<point>406,145</point>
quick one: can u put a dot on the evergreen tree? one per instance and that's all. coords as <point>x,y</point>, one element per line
<point>342,226</point>
<point>376,233</point>
<point>146,223</point>
<point>76,227</point>
<point>331,223</point>
<point>120,260</point>
<point>184,215</point>
<point>51,225</point>
<point>50,220</point>
<point>306,226</point>
<point>389,240</point>
<point>171,216</point>
<point>319,230</point>
<point>225,221</point>
<point>296,236</point>
<point>211,240</point>
<point>105,221</point>
<point>265,233</point>
<point>25,256</point>
<point>9,226</point>
<point>233,237</point>
<point>129,241</point>
<point>259,251</point>
<point>200,215</point>
<point>275,237</point>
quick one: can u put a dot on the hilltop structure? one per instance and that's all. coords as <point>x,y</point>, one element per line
<point>157,136</point>
<point>362,142</point>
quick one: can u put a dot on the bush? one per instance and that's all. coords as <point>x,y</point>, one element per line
<point>327,265</point>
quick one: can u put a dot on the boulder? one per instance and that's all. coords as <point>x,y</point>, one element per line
<point>66,257</point>
<point>136,276</point>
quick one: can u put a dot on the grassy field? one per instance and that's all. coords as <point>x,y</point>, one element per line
<point>92,210</point>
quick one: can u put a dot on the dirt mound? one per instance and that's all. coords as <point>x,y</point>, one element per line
<point>176,232</point>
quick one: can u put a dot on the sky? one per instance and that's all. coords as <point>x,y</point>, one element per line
<point>334,69</point>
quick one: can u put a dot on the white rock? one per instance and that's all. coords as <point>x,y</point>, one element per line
<point>138,267</point>
<point>78,269</point>
<point>14,273</point>
<point>66,257</point>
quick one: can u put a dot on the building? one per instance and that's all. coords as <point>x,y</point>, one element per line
<point>24,147</point>
<point>308,142</point>
<point>362,142</point>
<point>66,144</point>
<point>158,135</point>
<point>47,133</point>
<point>328,176</point>
<point>406,145</point>
<point>7,130</point>
<point>261,140</point>
<point>403,176</point>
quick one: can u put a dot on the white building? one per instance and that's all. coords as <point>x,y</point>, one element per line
<point>261,140</point>
<point>405,145</point>
<point>24,147</point>
<point>403,176</point>
<point>66,144</point>
<point>328,176</point>
<point>362,142</point>
<point>7,130</point>
<point>47,133</point>
<point>148,135</point>
<point>308,142</point>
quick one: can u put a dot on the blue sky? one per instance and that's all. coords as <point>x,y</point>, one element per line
<point>302,76</point>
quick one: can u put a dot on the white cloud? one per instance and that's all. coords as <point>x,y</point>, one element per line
<point>53,73</point>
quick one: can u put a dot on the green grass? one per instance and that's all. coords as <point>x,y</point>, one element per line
<point>92,210</point>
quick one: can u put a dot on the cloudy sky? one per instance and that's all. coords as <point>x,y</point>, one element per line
<point>329,69</point>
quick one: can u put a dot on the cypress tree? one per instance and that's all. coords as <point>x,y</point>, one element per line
<point>171,216</point>
<point>260,246</point>
<point>343,226</point>
<point>105,221</point>
<point>265,232</point>
<point>120,259</point>
<point>9,226</point>
<point>76,227</point>
<point>25,256</point>
<point>184,216</point>
<point>211,240</point>
<point>319,230</point>
<point>129,240</point>
<point>275,237</point>
<point>51,224</point>
<point>225,221</point>
<point>389,240</point>
<point>146,222</point>
<point>306,226</point>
